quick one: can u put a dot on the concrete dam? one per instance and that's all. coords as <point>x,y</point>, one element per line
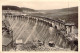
<point>33,28</point>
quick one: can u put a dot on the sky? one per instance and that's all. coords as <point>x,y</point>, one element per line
<point>43,5</point>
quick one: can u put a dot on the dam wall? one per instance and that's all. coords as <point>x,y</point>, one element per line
<point>34,28</point>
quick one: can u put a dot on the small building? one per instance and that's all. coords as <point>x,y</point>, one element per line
<point>70,27</point>
<point>19,44</point>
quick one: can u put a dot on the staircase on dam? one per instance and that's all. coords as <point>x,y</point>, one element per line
<point>28,28</point>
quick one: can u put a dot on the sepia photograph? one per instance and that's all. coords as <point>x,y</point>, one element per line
<point>40,26</point>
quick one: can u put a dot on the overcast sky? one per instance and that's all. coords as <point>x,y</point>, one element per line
<point>43,5</point>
